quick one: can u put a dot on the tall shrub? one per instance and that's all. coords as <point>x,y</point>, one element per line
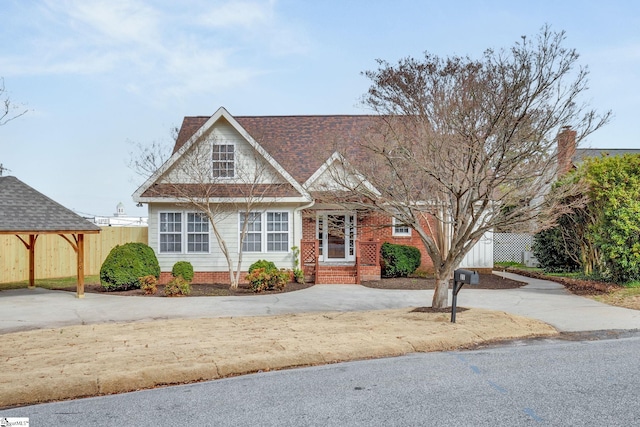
<point>399,260</point>
<point>614,191</point>
<point>126,264</point>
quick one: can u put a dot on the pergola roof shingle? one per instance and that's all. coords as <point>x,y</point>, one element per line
<point>24,210</point>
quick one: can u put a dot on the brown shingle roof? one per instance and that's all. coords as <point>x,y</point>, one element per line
<point>300,144</point>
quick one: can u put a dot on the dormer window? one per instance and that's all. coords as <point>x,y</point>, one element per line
<point>223,161</point>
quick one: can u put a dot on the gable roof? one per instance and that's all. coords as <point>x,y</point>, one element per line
<point>24,210</point>
<point>189,134</point>
<point>301,144</point>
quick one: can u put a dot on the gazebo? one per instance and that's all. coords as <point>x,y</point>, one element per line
<point>27,213</point>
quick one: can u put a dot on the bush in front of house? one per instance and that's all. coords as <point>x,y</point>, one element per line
<point>126,264</point>
<point>264,275</point>
<point>399,260</point>
<point>183,269</point>
<point>177,287</point>
<point>149,284</point>
<point>262,263</point>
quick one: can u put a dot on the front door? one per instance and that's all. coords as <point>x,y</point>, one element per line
<point>336,235</point>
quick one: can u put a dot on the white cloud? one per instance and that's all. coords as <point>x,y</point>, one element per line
<point>241,15</point>
<point>149,48</point>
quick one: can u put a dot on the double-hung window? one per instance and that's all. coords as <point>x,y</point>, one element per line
<point>400,229</point>
<point>180,230</point>
<point>170,232</point>
<point>253,239</point>
<point>269,227</point>
<point>277,231</point>
<point>223,161</point>
<point>197,232</point>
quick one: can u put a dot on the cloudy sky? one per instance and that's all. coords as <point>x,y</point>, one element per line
<point>97,76</point>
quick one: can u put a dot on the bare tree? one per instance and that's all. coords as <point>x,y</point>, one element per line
<point>462,146</point>
<point>246,190</point>
<point>9,110</point>
<point>145,159</point>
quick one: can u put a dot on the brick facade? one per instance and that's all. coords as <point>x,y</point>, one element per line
<point>373,226</point>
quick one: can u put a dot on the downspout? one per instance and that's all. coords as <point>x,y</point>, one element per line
<point>295,214</point>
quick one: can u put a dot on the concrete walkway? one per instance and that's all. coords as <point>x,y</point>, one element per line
<point>25,309</point>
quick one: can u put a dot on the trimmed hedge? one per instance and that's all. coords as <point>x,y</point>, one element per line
<point>399,260</point>
<point>126,264</point>
<point>261,263</point>
<point>264,275</point>
<point>183,269</point>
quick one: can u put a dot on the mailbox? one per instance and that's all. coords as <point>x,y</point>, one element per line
<point>466,277</point>
<point>460,278</point>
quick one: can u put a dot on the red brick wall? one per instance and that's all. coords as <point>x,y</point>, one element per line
<point>373,227</point>
<point>377,226</point>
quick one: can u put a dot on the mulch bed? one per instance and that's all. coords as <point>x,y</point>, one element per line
<point>197,290</point>
<point>575,286</point>
<point>487,281</point>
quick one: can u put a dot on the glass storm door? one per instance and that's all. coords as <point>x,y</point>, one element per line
<point>336,235</point>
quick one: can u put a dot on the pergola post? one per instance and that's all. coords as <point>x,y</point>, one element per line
<point>32,261</point>
<point>80,255</point>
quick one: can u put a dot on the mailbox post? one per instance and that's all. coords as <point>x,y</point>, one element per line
<point>460,277</point>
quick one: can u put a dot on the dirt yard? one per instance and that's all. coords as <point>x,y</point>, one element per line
<point>90,360</point>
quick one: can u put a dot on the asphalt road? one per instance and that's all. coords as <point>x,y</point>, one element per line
<point>540,382</point>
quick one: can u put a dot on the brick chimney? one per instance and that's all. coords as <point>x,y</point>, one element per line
<point>566,149</point>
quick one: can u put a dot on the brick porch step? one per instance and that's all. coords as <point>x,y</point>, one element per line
<point>336,274</point>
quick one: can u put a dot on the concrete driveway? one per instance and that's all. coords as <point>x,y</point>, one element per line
<point>25,309</point>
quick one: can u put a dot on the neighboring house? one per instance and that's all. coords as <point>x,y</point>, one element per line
<point>120,219</point>
<point>295,156</point>
<point>569,156</point>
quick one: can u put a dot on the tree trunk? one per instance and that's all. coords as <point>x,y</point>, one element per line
<point>441,293</point>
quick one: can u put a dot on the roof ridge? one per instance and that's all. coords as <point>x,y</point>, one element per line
<point>288,116</point>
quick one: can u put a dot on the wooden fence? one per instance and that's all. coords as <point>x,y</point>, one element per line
<point>56,258</point>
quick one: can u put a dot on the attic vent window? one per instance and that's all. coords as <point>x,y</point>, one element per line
<point>223,161</point>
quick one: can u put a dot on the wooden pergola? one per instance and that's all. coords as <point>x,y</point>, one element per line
<point>27,213</point>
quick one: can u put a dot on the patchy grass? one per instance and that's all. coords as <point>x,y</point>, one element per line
<point>628,297</point>
<point>634,284</point>
<point>507,264</point>
<point>56,283</point>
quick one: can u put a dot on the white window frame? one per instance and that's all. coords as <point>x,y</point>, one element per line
<point>223,162</point>
<point>250,231</point>
<point>277,232</point>
<point>264,231</point>
<point>172,232</point>
<point>396,225</point>
<point>205,233</point>
<point>184,232</point>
